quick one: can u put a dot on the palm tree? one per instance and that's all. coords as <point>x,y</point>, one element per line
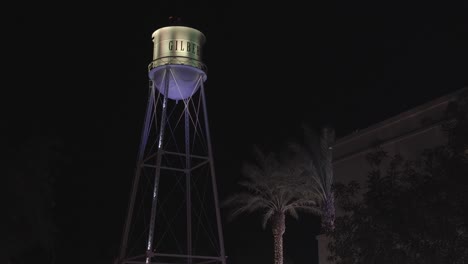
<point>275,189</point>
<point>315,156</point>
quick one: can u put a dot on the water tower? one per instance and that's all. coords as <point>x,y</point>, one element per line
<point>173,211</point>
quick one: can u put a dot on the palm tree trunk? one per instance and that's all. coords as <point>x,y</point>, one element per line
<point>278,228</point>
<point>328,210</point>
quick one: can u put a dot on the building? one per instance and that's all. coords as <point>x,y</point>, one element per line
<point>407,134</point>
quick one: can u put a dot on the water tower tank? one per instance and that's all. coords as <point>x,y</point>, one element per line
<point>179,49</point>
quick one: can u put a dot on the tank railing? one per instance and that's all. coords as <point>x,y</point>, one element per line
<point>179,60</point>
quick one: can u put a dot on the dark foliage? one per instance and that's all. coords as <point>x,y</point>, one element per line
<point>413,211</point>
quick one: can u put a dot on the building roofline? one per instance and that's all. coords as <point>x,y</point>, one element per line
<point>400,117</point>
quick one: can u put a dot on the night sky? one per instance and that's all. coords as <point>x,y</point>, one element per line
<point>76,74</point>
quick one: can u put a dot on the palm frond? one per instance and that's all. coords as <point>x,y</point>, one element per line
<point>244,203</point>
<point>317,156</point>
<point>274,185</point>
<point>267,216</point>
<point>292,212</point>
<point>310,210</point>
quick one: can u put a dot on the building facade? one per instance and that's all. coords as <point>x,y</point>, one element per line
<point>407,134</point>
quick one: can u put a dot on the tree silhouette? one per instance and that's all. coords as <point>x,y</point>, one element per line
<point>413,211</point>
<point>314,155</point>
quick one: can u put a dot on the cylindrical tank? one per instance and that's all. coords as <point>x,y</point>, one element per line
<point>178,50</point>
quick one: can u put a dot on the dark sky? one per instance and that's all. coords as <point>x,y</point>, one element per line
<point>78,73</point>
